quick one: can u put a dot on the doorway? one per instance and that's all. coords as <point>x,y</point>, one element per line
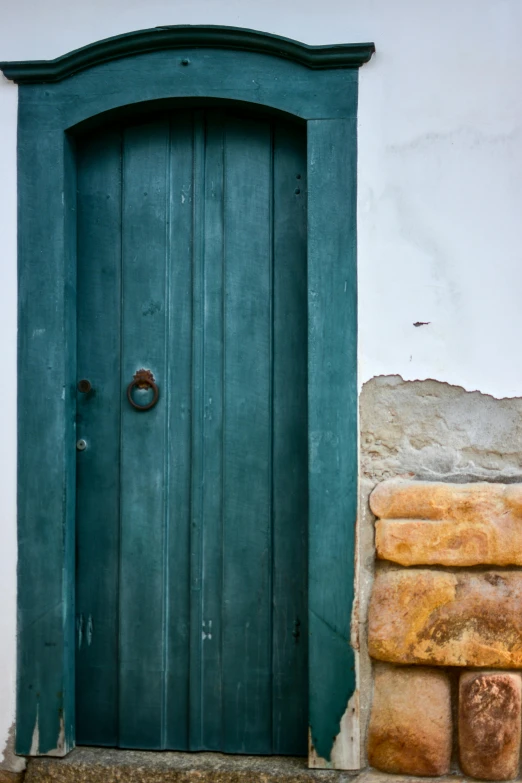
<point>192,476</point>
<point>57,99</point>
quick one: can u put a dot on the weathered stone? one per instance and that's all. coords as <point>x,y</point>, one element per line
<point>375,776</point>
<point>426,430</point>
<point>431,523</point>
<point>410,725</point>
<point>10,761</point>
<point>447,619</point>
<point>364,575</point>
<point>435,431</point>
<point>108,765</point>
<point>489,724</point>
<point>11,777</point>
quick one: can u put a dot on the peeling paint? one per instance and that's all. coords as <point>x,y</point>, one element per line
<point>90,629</point>
<point>345,752</point>
<point>35,742</point>
<point>61,749</point>
<point>79,630</point>
<point>364,379</point>
<point>332,689</point>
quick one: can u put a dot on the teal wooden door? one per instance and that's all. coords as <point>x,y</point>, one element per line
<point>191,591</point>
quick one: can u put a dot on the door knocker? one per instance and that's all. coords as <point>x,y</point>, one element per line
<point>143,379</point>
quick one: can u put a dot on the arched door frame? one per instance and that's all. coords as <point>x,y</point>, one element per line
<point>317,84</point>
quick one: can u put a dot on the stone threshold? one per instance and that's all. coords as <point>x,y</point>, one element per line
<point>108,765</point>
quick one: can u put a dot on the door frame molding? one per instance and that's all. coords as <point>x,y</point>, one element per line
<point>317,84</point>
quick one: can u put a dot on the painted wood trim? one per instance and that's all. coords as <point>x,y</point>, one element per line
<point>181,36</point>
<point>47,363</point>
<point>332,434</point>
<point>46,445</point>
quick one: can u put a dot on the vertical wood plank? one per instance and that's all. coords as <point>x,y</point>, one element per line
<point>290,461</point>
<point>212,544</point>
<point>247,439</point>
<point>179,426</point>
<point>197,520</point>
<point>142,566</point>
<point>332,374</point>
<point>67,716</point>
<point>98,422</point>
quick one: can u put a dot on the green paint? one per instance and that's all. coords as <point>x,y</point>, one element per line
<point>46,450</point>
<point>332,390</point>
<point>185,36</point>
<point>49,117</point>
<point>98,416</point>
<point>192,547</point>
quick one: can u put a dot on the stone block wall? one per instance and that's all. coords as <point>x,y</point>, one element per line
<point>411,722</point>
<point>423,431</point>
<point>446,607</point>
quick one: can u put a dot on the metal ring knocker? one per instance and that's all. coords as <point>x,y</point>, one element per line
<point>143,379</point>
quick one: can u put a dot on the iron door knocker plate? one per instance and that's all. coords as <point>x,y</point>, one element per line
<point>143,379</point>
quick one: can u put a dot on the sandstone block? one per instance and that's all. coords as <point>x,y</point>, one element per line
<point>489,724</point>
<point>447,619</point>
<point>410,724</point>
<point>431,523</point>
<point>11,777</point>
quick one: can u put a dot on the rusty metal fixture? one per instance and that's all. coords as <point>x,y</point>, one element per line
<point>143,379</point>
<point>84,386</point>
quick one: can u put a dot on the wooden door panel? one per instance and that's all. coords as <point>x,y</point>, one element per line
<point>98,421</point>
<point>206,723</point>
<point>290,450</point>
<point>144,481</point>
<point>246,612</point>
<point>178,397</point>
<point>206,637</point>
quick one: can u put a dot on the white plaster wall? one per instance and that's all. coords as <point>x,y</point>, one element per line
<point>440,189</point>
<point>8,106</point>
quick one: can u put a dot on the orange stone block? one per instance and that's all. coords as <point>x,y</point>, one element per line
<point>410,724</point>
<point>447,619</point>
<point>490,724</point>
<point>431,523</point>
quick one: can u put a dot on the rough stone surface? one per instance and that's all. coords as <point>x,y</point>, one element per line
<point>10,761</point>
<point>433,523</point>
<point>101,765</point>
<point>375,776</point>
<point>11,777</point>
<point>447,619</point>
<point>431,430</point>
<point>410,726</point>
<point>489,724</point>
<point>364,572</point>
